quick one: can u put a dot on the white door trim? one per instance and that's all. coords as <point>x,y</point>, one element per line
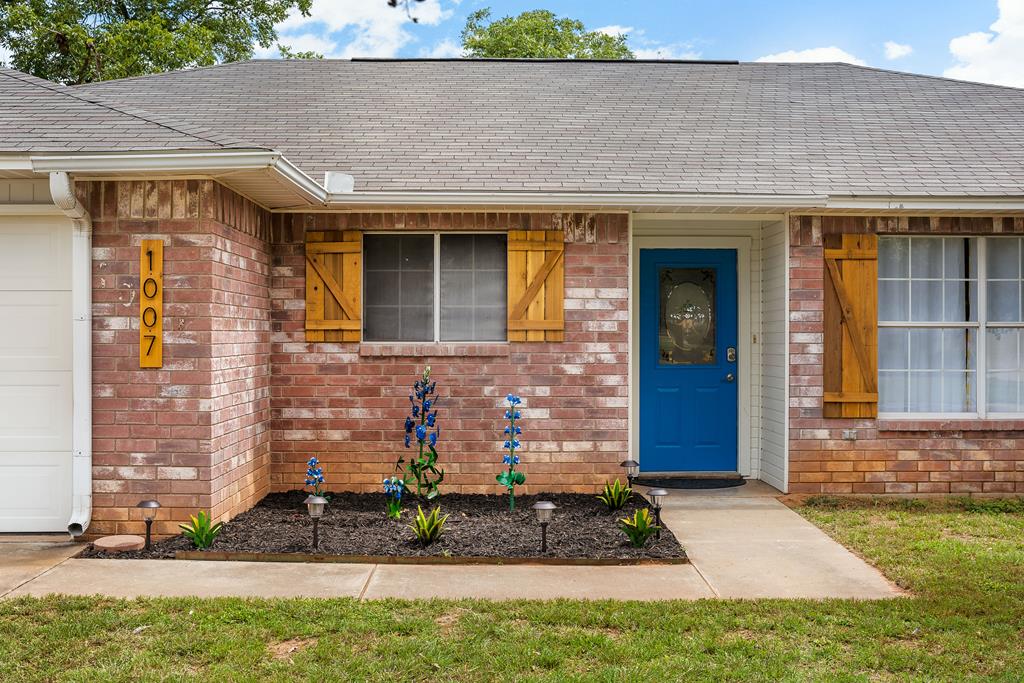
<point>742,245</point>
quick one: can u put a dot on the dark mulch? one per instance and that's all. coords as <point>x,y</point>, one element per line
<point>478,525</point>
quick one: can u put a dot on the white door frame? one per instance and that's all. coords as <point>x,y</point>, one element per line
<point>742,245</point>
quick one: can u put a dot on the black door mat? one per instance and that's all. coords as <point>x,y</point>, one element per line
<point>689,482</point>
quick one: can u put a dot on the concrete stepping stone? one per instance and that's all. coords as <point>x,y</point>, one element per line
<point>119,544</point>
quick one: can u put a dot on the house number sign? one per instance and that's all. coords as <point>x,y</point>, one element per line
<point>151,304</point>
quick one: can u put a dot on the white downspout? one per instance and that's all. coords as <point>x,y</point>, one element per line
<point>62,191</point>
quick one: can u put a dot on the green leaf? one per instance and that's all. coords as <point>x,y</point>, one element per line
<point>503,478</point>
<point>519,477</point>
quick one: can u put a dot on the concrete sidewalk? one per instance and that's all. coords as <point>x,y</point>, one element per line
<point>743,543</point>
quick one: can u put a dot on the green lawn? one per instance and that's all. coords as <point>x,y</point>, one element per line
<point>966,621</point>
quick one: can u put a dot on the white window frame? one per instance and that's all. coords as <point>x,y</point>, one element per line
<point>980,326</point>
<point>437,285</point>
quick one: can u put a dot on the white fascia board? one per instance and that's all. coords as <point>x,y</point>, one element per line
<point>229,161</point>
<point>925,203</point>
<point>571,199</point>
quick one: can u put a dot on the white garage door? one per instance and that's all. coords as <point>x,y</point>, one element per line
<point>35,373</point>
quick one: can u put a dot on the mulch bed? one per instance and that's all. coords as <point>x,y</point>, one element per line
<point>478,526</point>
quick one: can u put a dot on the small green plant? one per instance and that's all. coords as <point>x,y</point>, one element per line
<point>992,505</point>
<point>639,527</point>
<point>201,530</point>
<point>428,528</point>
<point>615,495</point>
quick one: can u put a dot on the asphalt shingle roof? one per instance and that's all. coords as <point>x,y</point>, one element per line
<point>560,126</point>
<point>39,116</point>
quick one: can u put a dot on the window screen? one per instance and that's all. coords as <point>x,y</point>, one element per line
<point>403,297</point>
<point>473,285</point>
<point>399,287</point>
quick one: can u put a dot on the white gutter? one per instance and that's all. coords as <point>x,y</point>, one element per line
<point>570,199</point>
<point>925,204</point>
<point>208,162</point>
<point>62,191</point>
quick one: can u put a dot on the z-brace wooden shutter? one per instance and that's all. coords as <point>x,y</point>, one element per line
<point>851,326</point>
<point>334,276</point>
<point>536,285</point>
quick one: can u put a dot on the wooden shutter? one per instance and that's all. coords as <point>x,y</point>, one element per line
<point>851,326</point>
<point>536,285</point>
<point>334,276</point>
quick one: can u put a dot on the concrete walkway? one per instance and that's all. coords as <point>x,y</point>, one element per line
<point>743,543</point>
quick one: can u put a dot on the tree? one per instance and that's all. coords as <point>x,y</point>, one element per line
<point>540,34</point>
<point>80,41</point>
<point>287,53</point>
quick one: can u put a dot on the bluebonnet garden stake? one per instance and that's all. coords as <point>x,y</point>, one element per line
<point>393,489</point>
<point>315,476</point>
<point>511,477</point>
<point>423,467</point>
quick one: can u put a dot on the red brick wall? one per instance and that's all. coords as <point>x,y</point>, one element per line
<point>193,433</point>
<point>887,457</point>
<point>346,402</point>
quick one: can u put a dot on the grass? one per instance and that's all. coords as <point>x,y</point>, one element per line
<point>964,563</point>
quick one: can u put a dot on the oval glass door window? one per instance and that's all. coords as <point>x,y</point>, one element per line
<point>687,320</point>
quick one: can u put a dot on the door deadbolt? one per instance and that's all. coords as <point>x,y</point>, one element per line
<point>730,354</point>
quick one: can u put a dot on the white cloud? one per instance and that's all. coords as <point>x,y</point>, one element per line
<point>371,29</point>
<point>302,42</point>
<point>995,57</point>
<point>678,51</point>
<point>814,54</point>
<point>894,50</point>
<point>445,48</point>
<point>614,30</point>
<point>5,56</point>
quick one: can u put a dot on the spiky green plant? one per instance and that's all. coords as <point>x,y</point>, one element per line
<point>615,495</point>
<point>428,528</point>
<point>201,530</point>
<point>639,527</point>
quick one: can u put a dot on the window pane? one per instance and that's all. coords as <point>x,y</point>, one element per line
<point>893,349</point>
<point>926,300</point>
<point>473,288</point>
<point>1004,258</point>
<point>892,391</point>
<point>926,257</point>
<point>399,283</point>
<point>894,257</point>
<point>961,256</point>
<point>1004,376</point>
<point>960,301</point>
<point>942,370</point>
<point>1004,301</point>
<point>894,300</point>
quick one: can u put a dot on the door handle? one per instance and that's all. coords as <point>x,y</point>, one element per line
<point>730,377</point>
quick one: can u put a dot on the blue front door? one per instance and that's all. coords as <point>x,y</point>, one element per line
<point>688,364</point>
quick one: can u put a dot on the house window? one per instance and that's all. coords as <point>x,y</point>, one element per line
<point>435,287</point>
<point>949,338</point>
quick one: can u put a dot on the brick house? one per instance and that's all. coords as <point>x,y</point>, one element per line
<point>808,274</point>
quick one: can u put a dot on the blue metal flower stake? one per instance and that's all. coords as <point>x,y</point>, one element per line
<point>393,489</point>
<point>510,477</point>
<point>315,502</point>
<point>423,468</point>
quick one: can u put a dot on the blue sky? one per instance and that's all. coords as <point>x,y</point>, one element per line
<point>972,39</point>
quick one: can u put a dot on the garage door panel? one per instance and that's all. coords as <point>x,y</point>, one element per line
<point>35,254</point>
<point>34,334</point>
<point>35,411</point>
<point>34,491</point>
